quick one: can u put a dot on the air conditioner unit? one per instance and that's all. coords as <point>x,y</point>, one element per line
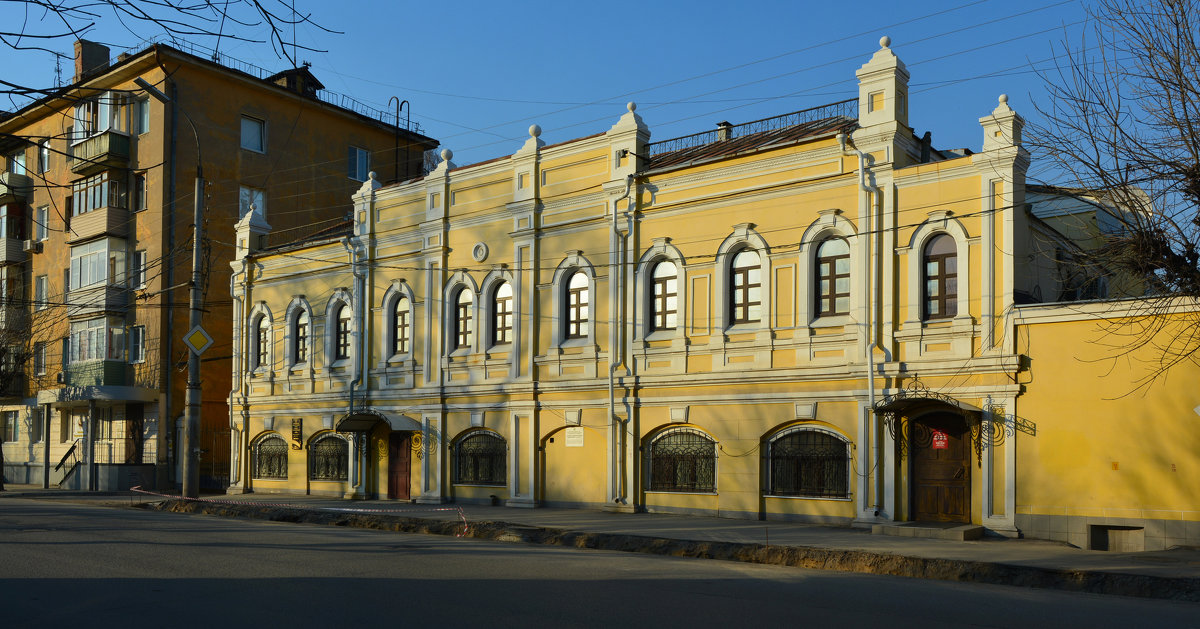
<point>33,246</point>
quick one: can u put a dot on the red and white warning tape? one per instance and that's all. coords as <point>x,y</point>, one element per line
<point>461,515</point>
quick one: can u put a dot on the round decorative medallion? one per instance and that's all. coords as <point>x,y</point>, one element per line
<point>480,252</point>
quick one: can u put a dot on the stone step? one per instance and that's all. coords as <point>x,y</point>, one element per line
<point>930,530</point>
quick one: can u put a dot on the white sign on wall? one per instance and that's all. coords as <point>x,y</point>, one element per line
<point>574,437</point>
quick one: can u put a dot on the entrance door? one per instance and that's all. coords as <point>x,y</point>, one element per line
<point>399,463</point>
<point>941,469</point>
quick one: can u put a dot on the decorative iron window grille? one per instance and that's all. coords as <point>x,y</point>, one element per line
<point>328,459</point>
<point>481,459</point>
<point>683,460</point>
<point>809,463</point>
<point>271,459</point>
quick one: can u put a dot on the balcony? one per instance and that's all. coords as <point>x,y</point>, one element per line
<point>103,151</point>
<point>108,220</point>
<point>97,373</point>
<point>12,251</point>
<point>97,299</point>
<point>14,187</point>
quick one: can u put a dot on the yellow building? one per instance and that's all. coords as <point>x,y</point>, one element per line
<point>814,317</point>
<point>96,246</point>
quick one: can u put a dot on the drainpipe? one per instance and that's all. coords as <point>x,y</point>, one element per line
<point>614,333</point>
<point>357,263</point>
<point>872,209</point>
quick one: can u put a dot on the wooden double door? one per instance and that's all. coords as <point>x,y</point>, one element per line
<point>941,468</point>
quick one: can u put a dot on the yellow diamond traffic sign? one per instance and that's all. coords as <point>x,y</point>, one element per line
<point>198,340</point>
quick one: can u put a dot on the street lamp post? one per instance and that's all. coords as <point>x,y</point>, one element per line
<point>190,446</point>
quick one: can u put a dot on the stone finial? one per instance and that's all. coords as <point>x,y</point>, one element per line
<point>447,154</point>
<point>534,131</point>
<point>631,106</point>
<point>885,41</point>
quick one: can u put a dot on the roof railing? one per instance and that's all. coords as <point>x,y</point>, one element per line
<point>725,131</point>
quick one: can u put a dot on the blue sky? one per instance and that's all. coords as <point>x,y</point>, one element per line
<point>477,74</point>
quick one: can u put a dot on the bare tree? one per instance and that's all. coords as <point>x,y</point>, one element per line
<point>46,25</point>
<point>1121,124</point>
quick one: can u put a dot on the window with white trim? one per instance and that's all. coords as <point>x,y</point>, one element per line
<point>401,326</point>
<point>358,163</point>
<point>137,344</point>
<point>481,458</point>
<point>577,314</point>
<point>271,458</point>
<point>254,137</point>
<point>341,340</point>
<point>664,298</point>
<point>260,357</point>
<point>807,462</point>
<point>833,277</point>
<point>464,324</point>
<point>248,197</point>
<point>745,288</point>
<point>300,334</point>
<point>682,460</point>
<point>328,458</point>
<point>41,292</point>
<point>502,314</point>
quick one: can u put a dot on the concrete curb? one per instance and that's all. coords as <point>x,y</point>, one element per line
<point>1095,582</point>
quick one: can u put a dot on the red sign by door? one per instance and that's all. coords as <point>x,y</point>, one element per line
<point>940,442</point>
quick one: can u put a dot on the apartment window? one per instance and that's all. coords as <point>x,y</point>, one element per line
<point>254,136</point>
<point>97,116</point>
<point>808,462</point>
<point>99,261</point>
<point>577,315</point>
<point>43,156</point>
<point>328,459</point>
<point>833,277</point>
<point>358,163</point>
<point>137,270</point>
<point>141,115</point>
<point>9,429</point>
<point>97,339</point>
<point>247,197</point>
<point>39,358</point>
<point>402,326</point>
<point>664,300</point>
<point>683,459</point>
<point>502,315</point>
<point>97,192</point>
<point>12,221</point>
<point>941,277</point>
<point>300,338</point>
<point>271,458</point>
<point>41,292</point>
<point>137,344</point>
<point>341,346</point>
<point>41,223</point>
<point>262,343</point>
<point>464,325</point>
<point>137,195</point>
<point>36,432</point>
<point>481,459</point>
<point>745,288</point>
<point>16,163</point>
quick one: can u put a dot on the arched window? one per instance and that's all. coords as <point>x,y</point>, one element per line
<point>683,459</point>
<point>664,300</point>
<point>341,341</point>
<point>502,314</point>
<point>940,277</point>
<point>328,458</point>
<point>464,325</point>
<point>833,277</point>
<point>481,459</point>
<point>271,458</point>
<point>261,356</point>
<point>401,326</point>
<point>808,462</point>
<point>745,288</point>
<point>300,328</point>
<point>577,314</point>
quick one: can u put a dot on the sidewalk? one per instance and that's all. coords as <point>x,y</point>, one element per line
<point>1163,574</point>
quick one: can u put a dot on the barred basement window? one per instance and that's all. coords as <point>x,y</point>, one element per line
<point>328,459</point>
<point>481,459</point>
<point>271,459</point>
<point>683,460</point>
<point>809,463</point>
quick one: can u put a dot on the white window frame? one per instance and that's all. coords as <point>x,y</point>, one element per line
<point>358,163</point>
<point>137,344</point>
<point>247,196</point>
<point>137,270</point>
<point>247,134</point>
<point>41,292</point>
<point>41,223</point>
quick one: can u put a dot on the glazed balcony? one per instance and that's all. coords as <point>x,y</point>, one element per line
<point>97,299</point>
<point>12,251</point>
<point>14,187</point>
<point>102,151</point>
<point>108,220</point>
<point>97,373</point>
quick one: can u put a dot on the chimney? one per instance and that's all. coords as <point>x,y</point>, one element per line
<point>90,59</point>
<point>724,130</point>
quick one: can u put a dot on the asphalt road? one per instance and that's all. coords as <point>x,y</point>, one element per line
<point>65,564</point>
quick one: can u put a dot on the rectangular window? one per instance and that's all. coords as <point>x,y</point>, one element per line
<point>41,292</point>
<point>248,196</point>
<point>41,223</point>
<point>253,134</point>
<point>12,221</point>
<point>97,192</point>
<point>39,358</point>
<point>16,163</point>
<point>66,352</point>
<point>97,339</point>
<point>137,270</point>
<point>358,164</point>
<point>43,156</point>
<point>35,425</point>
<point>99,261</point>
<point>137,344</point>
<point>141,115</point>
<point>137,194</point>
<point>10,426</point>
